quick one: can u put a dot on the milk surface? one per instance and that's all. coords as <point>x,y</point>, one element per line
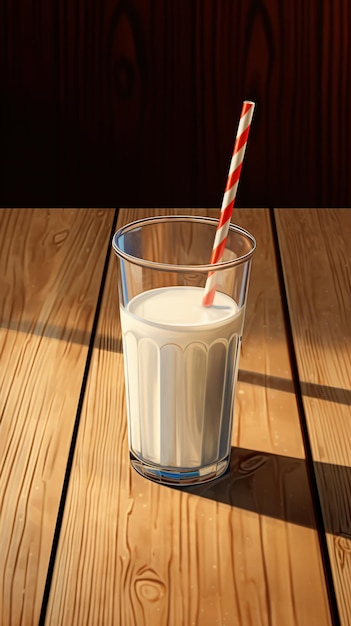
<point>180,364</point>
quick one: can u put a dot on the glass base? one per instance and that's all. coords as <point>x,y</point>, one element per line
<point>179,476</point>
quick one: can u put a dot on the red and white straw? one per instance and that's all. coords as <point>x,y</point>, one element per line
<point>229,197</point>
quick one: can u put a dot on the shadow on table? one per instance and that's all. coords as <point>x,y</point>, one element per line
<point>69,334</point>
<point>268,484</point>
<point>278,486</point>
<point>312,390</point>
<point>113,343</point>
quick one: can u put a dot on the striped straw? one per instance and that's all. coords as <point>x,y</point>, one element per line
<point>229,197</point>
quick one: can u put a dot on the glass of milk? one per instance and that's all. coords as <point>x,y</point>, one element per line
<point>180,358</point>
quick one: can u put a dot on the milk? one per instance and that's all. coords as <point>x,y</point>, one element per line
<point>181,364</point>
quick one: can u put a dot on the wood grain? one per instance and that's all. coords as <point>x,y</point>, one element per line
<point>136,101</point>
<point>243,550</point>
<point>51,267</point>
<point>315,251</point>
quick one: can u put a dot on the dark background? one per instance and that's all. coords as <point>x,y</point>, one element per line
<point>136,102</point>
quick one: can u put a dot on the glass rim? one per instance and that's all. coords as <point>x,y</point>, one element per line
<point>174,267</point>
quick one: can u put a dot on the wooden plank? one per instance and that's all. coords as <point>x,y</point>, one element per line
<point>242,550</point>
<point>315,250</point>
<point>51,267</point>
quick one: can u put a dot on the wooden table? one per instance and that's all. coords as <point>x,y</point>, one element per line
<point>84,539</point>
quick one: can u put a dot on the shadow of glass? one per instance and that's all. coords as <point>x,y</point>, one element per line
<point>267,484</point>
<point>334,486</point>
<point>278,486</point>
